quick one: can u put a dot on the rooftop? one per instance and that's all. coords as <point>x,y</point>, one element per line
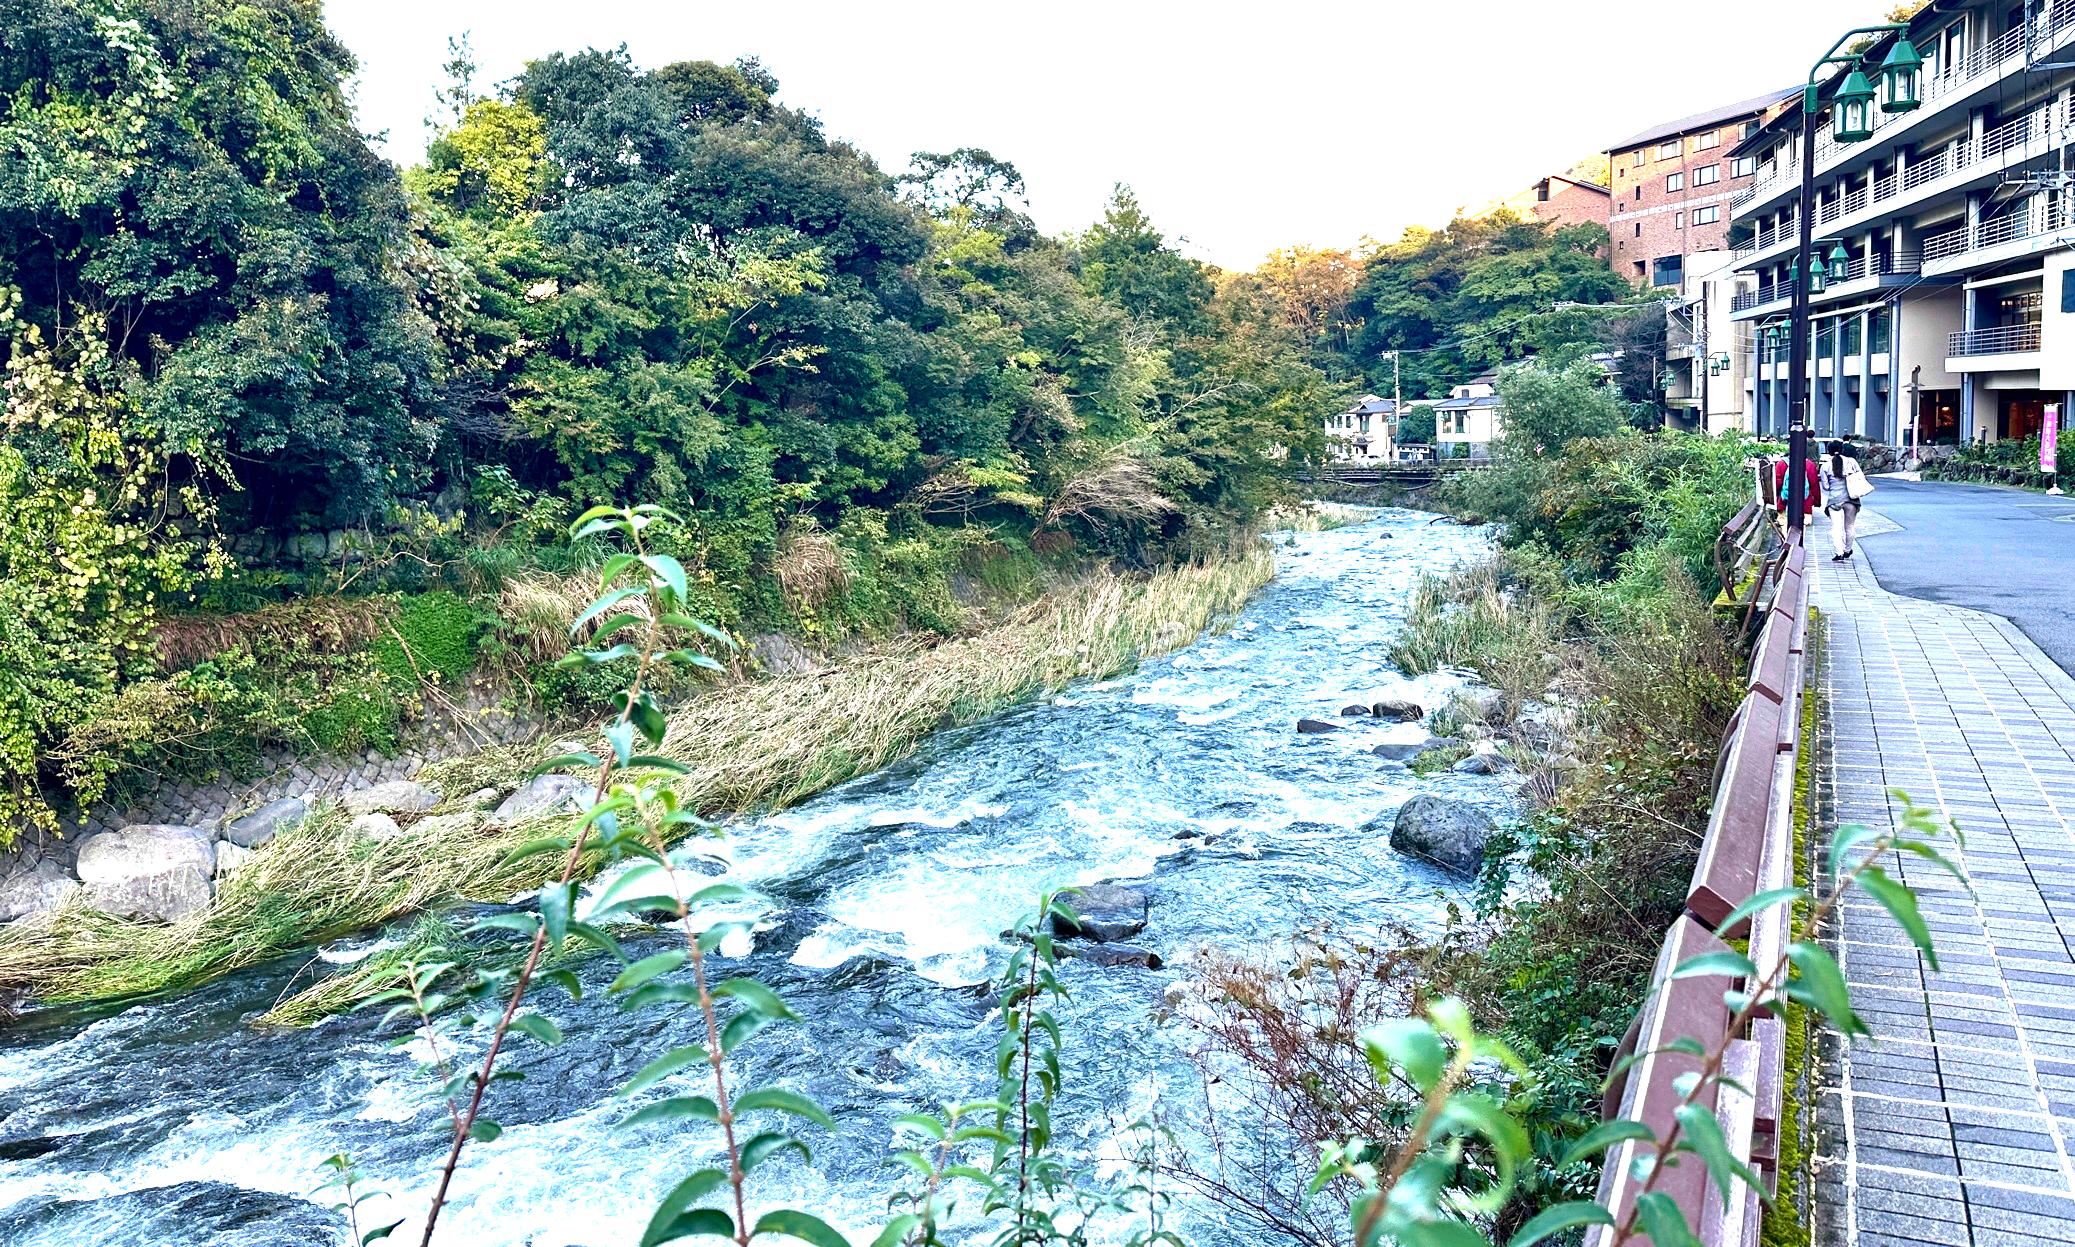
<point>1701,121</point>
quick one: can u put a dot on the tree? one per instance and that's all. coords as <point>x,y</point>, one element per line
<point>1547,408</point>
<point>1313,289</point>
<point>1126,259</point>
<point>1417,428</point>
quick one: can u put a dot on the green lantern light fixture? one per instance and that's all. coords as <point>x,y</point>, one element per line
<point>1853,120</point>
<point>1899,75</point>
<point>1839,261</point>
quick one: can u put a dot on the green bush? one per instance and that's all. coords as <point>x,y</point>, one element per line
<point>2011,462</point>
<point>435,638</point>
<point>359,712</point>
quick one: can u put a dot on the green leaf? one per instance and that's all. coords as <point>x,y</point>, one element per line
<point>1508,1140</point>
<point>1663,1221</point>
<point>555,902</point>
<point>539,1027</point>
<point>1406,1043</point>
<point>380,1232</point>
<point>597,938</point>
<point>675,1108</point>
<point>523,923</point>
<point>690,1223</point>
<point>784,1101</point>
<point>567,981</point>
<point>897,1230</point>
<point>768,1144</point>
<point>800,1225</point>
<point>1822,987</point>
<point>1704,1137</point>
<point>1848,838</point>
<point>647,968</point>
<point>621,737</point>
<point>589,761</point>
<point>1601,1137</point>
<point>1721,962</point>
<point>1900,902</point>
<point>670,572</point>
<point>483,1130</point>
<point>1556,1219</point>
<point>740,1027</point>
<point>603,605</point>
<point>927,1124</point>
<point>755,995</point>
<point>648,720</point>
<point>663,1066</point>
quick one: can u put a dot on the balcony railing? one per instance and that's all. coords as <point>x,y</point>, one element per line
<point>2038,217</point>
<point>2002,340</point>
<point>1902,263</point>
<point>1996,144</point>
<point>1963,75</point>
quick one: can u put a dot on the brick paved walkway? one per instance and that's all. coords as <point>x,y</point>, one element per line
<point>1957,1128</point>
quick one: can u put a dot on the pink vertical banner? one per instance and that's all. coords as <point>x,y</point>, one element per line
<point>2049,439</point>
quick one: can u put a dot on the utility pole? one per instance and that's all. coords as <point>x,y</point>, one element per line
<point>1397,403</point>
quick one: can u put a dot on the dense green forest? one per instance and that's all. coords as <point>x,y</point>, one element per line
<point>255,371</point>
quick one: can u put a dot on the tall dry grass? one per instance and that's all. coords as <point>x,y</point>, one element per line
<point>751,745</point>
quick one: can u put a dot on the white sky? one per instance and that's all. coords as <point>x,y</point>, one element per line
<point>1242,126</point>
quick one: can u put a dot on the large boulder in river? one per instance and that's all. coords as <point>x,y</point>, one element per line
<point>35,890</point>
<point>155,871</point>
<point>1103,912</point>
<point>1406,750</point>
<point>1116,955</point>
<point>1398,708</point>
<point>397,796</point>
<point>1315,727</point>
<point>543,794</point>
<point>1445,832</point>
<point>249,831</point>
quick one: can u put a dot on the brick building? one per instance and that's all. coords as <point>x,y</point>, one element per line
<point>1558,199</point>
<point>1672,185</point>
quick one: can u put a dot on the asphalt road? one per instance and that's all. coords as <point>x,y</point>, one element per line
<point>2005,551</point>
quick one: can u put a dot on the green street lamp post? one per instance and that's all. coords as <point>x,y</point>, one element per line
<point>1852,122</point>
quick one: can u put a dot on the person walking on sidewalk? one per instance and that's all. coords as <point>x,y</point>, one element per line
<point>1844,484</point>
<point>1810,490</point>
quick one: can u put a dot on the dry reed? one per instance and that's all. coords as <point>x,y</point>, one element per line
<point>751,745</point>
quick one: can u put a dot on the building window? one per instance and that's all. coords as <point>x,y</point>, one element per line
<point>1852,343</point>
<point>1675,181</point>
<point>1639,229</point>
<point>1712,138</point>
<point>1669,150</point>
<point>1708,215</point>
<point>1639,270</point>
<point>1667,270</point>
<point>1826,338</point>
<point>1707,175</point>
<point>1678,220</point>
<point>1750,128</point>
<point>1880,330</point>
<point>1743,166</point>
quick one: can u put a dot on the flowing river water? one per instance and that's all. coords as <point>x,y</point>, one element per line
<point>175,1122</point>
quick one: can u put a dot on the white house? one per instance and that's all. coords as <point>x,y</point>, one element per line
<point>1470,418</point>
<point>1364,432</point>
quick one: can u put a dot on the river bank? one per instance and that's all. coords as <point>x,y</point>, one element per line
<point>764,743</point>
<point>1185,778</point>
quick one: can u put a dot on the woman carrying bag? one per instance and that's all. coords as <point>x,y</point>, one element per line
<point>1845,483</point>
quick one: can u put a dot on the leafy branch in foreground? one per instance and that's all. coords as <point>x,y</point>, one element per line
<point>1459,1162</point>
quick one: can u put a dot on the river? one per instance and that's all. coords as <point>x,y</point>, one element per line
<point>173,1122</point>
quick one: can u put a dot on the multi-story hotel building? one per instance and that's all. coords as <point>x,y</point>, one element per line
<point>1955,315</point>
<point>1671,186</point>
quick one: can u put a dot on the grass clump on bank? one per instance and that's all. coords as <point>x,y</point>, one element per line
<point>747,745</point>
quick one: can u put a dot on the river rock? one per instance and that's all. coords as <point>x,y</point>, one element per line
<point>1353,712</point>
<point>1405,751</point>
<point>1115,955</point>
<point>1485,761</point>
<point>543,794</point>
<point>397,796</point>
<point>1398,708</point>
<point>230,857</point>
<point>158,872</point>
<point>34,890</point>
<point>249,831</point>
<point>1480,705</point>
<point>375,826</point>
<point>1315,727</point>
<point>481,798</point>
<point>1445,832</point>
<point>447,824</point>
<point>1104,912</point>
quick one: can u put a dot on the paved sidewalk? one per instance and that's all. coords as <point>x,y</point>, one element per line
<point>1957,1127</point>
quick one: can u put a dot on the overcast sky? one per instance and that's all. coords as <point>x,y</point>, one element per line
<point>1242,126</point>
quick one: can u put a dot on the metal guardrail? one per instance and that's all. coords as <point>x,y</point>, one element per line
<point>2001,340</point>
<point>1748,849</point>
